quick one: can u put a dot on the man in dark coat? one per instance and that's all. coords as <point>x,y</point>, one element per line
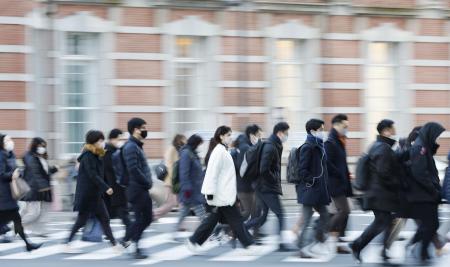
<point>312,192</point>
<point>140,182</point>
<point>383,189</point>
<point>268,184</point>
<point>117,203</point>
<point>339,185</point>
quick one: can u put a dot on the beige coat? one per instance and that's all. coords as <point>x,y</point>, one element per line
<point>170,158</point>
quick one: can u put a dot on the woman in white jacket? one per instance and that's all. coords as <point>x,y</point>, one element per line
<point>219,187</point>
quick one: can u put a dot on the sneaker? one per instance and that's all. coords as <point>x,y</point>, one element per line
<point>285,248</point>
<point>305,253</point>
<point>251,250</point>
<point>125,244</point>
<point>30,246</point>
<point>69,249</point>
<point>6,240</point>
<point>118,250</point>
<point>343,250</point>
<point>193,248</point>
<point>319,249</point>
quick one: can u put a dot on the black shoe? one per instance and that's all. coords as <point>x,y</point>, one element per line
<point>125,244</point>
<point>384,255</point>
<point>30,246</point>
<point>138,255</point>
<point>356,252</point>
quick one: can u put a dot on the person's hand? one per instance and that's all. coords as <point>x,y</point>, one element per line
<point>187,194</point>
<point>109,191</point>
<point>209,197</point>
<point>16,174</point>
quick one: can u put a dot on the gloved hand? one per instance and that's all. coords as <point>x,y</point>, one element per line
<point>209,197</point>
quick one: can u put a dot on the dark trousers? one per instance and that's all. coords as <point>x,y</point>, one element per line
<point>321,227</point>
<point>248,203</point>
<point>121,212</point>
<point>142,207</point>
<point>338,222</point>
<point>101,213</point>
<point>268,201</point>
<point>427,216</point>
<point>382,222</point>
<point>7,216</point>
<point>230,215</point>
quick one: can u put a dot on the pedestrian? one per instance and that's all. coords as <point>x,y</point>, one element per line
<point>220,190</point>
<point>268,184</point>
<point>381,196</point>
<point>9,210</point>
<point>140,182</point>
<point>117,203</point>
<point>312,191</point>
<point>39,199</point>
<point>425,188</point>
<point>339,185</point>
<point>191,180</point>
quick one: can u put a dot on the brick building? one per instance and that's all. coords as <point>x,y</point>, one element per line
<point>189,66</point>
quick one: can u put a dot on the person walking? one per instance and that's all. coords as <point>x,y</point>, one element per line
<point>268,184</point>
<point>312,191</point>
<point>117,203</point>
<point>9,210</point>
<point>339,185</point>
<point>219,188</point>
<point>140,182</point>
<point>191,180</point>
<point>381,196</point>
<point>38,176</point>
<point>90,189</point>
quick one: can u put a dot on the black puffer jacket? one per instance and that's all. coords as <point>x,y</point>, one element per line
<point>7,167</point>
<point>243,185</point>
<point>37,177</point>
<point>118,199</point>
<point>269,180</point>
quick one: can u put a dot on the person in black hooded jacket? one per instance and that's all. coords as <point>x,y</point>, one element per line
<point>425,188</point>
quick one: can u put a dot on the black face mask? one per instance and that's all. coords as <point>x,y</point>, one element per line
<point>144,134</point>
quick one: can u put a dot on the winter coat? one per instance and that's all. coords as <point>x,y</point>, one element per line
<point>338,174</point>
<point>220,178</point>
<point>37,178</point>
<point>384,181</point>
<point>243,185</point>
<point>170,158</point>
<point>269,180</point>
<point>90,183</point>
<point>424,183</point>
<point>313,190</point>
<point>191,177</point>
<point>119,198</point>
<point>7,167</point>
<point>137,168</point>
<point>446,184</point>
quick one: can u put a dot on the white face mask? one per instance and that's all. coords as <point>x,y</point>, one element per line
<point>120,144</point>
<point>344,132</point>
<point>9,146</point>
<point>41,150</point>
<point>284,138</point>
<point>319,135</point>
<point>253,139</point>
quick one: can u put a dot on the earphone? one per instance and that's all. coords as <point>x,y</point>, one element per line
<point>321,166</point>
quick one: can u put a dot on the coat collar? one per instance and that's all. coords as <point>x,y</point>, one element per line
<point>136,141</point>
<point>386,140</point>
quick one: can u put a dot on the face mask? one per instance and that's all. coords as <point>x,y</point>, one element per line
<point>254,140</point>
<point>41,150</point>
<point>284,138</point>
<point>103,145</point>
<point>120,144</point>
<point>144,134</point>
<point>344,132</point>
<point>318,135</point>
<point>9,146</point>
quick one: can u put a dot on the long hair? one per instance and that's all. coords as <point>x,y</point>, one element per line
<point>178,141</point>
<point>222,130</point>
<point>37,141</point>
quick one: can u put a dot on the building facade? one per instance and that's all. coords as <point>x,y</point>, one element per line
<point>189,66</point>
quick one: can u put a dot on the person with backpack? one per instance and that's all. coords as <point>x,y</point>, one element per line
<point>191,179</point>
<point>9,209</point>
<point>312,191</point>
<point>117,203</point>
<point>268,182</point>
<point>139,183</point>
<point>381,193</point>
<point>339,185</point>
<point>219,188</point>
<point>90,189</point>
<point>425,190</point>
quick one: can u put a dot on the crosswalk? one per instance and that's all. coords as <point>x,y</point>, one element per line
<point>162,248</point>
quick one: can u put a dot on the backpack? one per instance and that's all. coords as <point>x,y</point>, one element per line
<point>161,171</point>
<point>293,175</point>
<point>120,169</point>
<point>249,168</point>
<point>235,153</point>
<point>176,187</point>
<point>362,173</point>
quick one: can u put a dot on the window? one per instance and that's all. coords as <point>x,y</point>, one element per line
<point>381,83</point>
<point>288,89</point>
<point>78,94</point>
<point>188,89</point>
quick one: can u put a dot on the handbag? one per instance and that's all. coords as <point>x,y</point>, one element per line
<point>19,188</point>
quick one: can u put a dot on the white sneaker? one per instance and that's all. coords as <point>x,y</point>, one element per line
<point>193,248</point>
<point>69,249</point>
<point>320,249</point>
<point>118,250</point>
<point>250,251</point>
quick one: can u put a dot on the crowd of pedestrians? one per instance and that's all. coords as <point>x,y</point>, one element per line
<point>239,183</point>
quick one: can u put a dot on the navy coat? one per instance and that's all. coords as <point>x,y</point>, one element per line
<point>269,180</point>
<point>7,167</point>
<point>191,177</point>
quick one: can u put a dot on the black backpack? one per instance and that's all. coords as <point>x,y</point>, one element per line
<point>293,168</point>
<point>120,169</point>
<point>249,168</point>
<point>161,171</point>
<point>362,173</point>
<point>176,187</point>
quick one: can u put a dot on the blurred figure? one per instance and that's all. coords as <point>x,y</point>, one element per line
<point>38,175</point>
<point>9,210</point>
<point>381,196</point>
<point>117,203</point>
<point>219,187</point>
<point>425,188</point>
<point>312,192</point>
<point>140,182</point>
<point>268,184</point>
<point>90,188</point>
<point>191,180</point>
<point>339,185</point>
